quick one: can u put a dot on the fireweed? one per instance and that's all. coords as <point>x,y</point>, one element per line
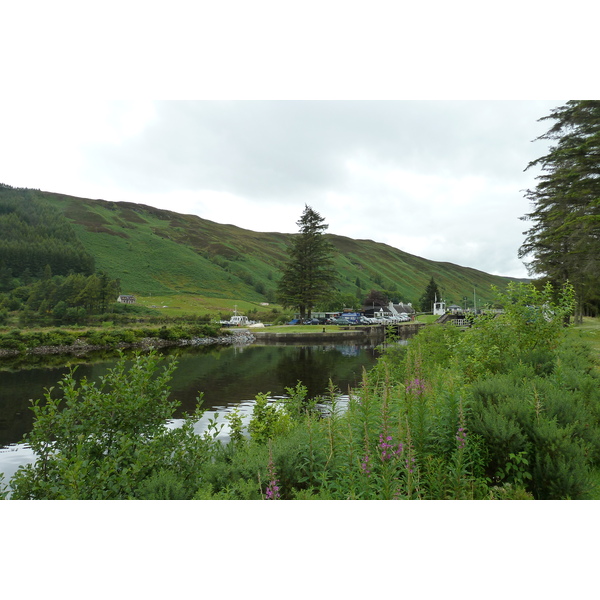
<point>365,465</point>
<point>272,491</point>
<point>390,453</point>
<point>461,437</point>
<point>389,450</point>
<point>416,386</point>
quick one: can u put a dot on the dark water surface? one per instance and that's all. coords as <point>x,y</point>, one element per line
<point>226,376</point>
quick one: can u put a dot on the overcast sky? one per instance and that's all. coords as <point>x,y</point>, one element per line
<point>440,179</point>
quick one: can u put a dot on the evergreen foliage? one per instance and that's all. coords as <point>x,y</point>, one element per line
<point>309,276</point>
<point>35,236</point>
<point>62,300</point>
<point>564,239</point>
<point>430,295</point>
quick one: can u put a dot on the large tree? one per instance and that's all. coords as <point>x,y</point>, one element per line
<point>309,276</point>
<point>563,242</point>
<point>376,298</point>
<point>431,295</point>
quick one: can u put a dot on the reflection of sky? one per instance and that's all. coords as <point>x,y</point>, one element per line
<point>12,457</point>
<point>16,455</point>
<point>348,350</point>
<point>230,377</point>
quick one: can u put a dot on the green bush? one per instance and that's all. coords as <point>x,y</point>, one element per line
<point>540,420</point>
<point>300,459</point>
<point>109,441</point>
<point>239,475</point>
<point>560,466</point>
<point>164,485</point>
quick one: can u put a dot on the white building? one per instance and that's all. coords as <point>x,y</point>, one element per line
<point>126,299</point>
<point>439,307</point>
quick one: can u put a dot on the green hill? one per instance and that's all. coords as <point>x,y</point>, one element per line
<point>160,253</point>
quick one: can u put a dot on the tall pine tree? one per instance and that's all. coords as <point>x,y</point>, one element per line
<point>430,296</point>
<point>309,276</point>
<point>563,242</point>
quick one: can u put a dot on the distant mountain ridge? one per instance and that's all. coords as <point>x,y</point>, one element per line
<point>156,252</point>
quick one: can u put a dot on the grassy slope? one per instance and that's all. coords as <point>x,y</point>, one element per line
<point>161,253</point>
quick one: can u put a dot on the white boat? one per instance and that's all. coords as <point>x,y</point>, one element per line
<point>239,321</point>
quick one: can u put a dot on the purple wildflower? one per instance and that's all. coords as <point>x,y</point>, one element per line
<point>416,386</point>
<point>388,450</point>
<point>272,492</point>
<point>365,465</point>
<point>461,437</point>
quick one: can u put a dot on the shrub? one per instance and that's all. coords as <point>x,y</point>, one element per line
<point>109,441</point>
<point>300,459</point>
<point>268,420</point>
<point>12,342</point>
<point>235,475</point>
<point>164,485</point>
<point>560,467</point>
<point>540,422</point>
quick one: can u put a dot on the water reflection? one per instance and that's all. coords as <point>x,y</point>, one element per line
<point>237,375</point>
<point>224,376</point>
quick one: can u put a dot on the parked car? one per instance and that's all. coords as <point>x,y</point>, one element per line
<point>341,321</point>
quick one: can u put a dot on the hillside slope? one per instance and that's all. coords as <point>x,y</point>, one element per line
<point>158,252</point>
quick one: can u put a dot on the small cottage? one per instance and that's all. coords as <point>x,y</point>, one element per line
<point>126,299</point>
<point>403,307</point>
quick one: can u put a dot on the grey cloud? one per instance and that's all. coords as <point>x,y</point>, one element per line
<point>286,149</point>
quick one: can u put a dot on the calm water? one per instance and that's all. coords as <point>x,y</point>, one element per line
<point>226,377</point>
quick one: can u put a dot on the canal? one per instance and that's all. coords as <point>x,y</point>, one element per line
<point>225,377</point>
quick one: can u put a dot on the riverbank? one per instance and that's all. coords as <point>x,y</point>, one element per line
<point>81,346</point>
<point>25,342</point>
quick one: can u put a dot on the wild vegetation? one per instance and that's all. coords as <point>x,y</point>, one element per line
<point>507,409</point>
<point>112,337</point>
